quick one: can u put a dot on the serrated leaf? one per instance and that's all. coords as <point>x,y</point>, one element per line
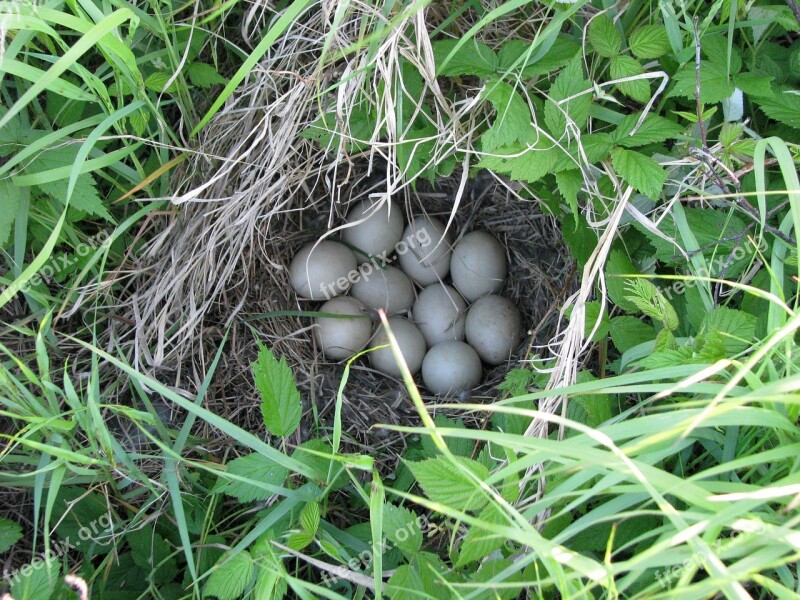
<point>625,66</point>
<point>157,81</point>
<point>604,37</point>
<point>513,120</point>
<point>10,534</point>
<point>84,196</point>
<point>714,83</point>
<point>653,130</point>
<point>401,527</point>
<point>649,299</point>
<point>666,358</point>
<point>139,121</point>
<point>472,58</point>
<point>205,76</point>
<point>257,468</point>
<point>569,184</point>
<point>757,85</point>
<point>309,518</point>
<point>230,577</point>
<point>522,163</point>
<point>9,200</point>
<point>560,53</point>
<point>324,468</point>
<point>589,409</point>
<point>443,483</point>
<point>153,555</point>
<point>36,584</point>
<point>404,583</point>
<point>640,171</point>
<point>617,265</point>
<point>299,540</point>
<point>709,347</point>
<point>627,332</point>
<point>665,341</point>
<point>735,327</point>
<point>516,382</point>
<point>458,445</point>
<point>480,542</point>
<point>281,406</point>
<point>649,41</point>
<point>597,146</point>
<point>489,571</point>
<point>568,83</point>
<point>783,106</point>
<point>591,318</point>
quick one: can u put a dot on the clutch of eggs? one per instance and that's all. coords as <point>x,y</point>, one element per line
<point>441,299</point>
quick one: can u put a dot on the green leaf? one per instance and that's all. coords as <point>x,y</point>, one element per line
<point>709,347</point>
<point>10,534</point>
<point>618,264</point>
<point>257,468</point>
<point>666,358</point>
<point>281,406</point>
<point>401,527</point>
<point>649,299</point>
<point>152,554</point>
<point>230,578</point>
<point>84,198</point>
<point>513,120</point>
<point>591,318</point>
<point>324,468</point>
<point>597,146</point>
<point>639,171</point>
<point>205,76</point>
<point>569,83</point>
<point>157,82</point>
<point>755,84</point>
<point>569,184</point>
<point>783,106</point>
<point>299,540</point>
<point>649,41</point>
<point>480,542</point>
<point>589,409</point>
<point>665,341</point>
<point>560,53</point>
<point>9,199</point>
<point>309,518</point>
<point>489,571</point>
<point>523,163</point>
<point>37,584</point>
<point>443,483</point>
<point>472,58</point>
<point>516,382</point>
<point>625,66</point>
<point>405,583</point>
<point>735,327</point>
<point>653,130</point>
<point>715,49</point>
<point>714,83</point>
<point>604,37</point>
<point>627,332</point>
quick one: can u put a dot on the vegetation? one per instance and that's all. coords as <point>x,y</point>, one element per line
<point>663,137</point>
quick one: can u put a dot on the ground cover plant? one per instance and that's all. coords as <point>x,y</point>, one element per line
<point>150,151</point>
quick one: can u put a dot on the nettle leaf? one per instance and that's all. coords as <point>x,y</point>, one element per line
<point>649,41</point>
<point>569,83</point>
<point>666,358</point>
<point>157,82</point>
<point>665,340</point>
<point>714,83</point>
<point>472,58</point>
<point>281,406</point>
<point>560,53</point>
<point>639,171</point>
<point>401,528</point>
<point>205,76</point>
<point>625,66</point>
<point>516,382</point>
<point>736,328</point>
<point>523,163</point>
<point>299,540</point>
<point>257,468</point>
<point>715,48</point>
<point>709,347</point>
<point>84,196</point>
<point>627,332</point>
<point>513,120</point>
<point>783,106</point>
<point>309,518</point>
<point>9,197</point>
<point>649,299</point>
<point>604,37</point>
<point>569,184</point>
<point>653,130</point>
<point>480,542</point>
<point>443,483</point>
<point>230,577</point>
<point>10,534</point>
<point>596,146</point>
<point>757,85</point>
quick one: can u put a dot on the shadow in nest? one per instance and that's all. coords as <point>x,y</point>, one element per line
<point>540,276</point>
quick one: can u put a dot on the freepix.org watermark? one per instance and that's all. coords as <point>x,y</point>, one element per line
<point>92,531</point>
<point>419,240</point>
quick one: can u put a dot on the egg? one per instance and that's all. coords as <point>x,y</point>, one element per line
<point>410,341</point>
<point>374,227</point>
<point>451,367</point>
<point>341,338</point>
<point>424,250</point>
<point>478,266</point>
<point>440,312</point>
<point>493,328</point>
<point>323,271</point>
<point>388,288</point>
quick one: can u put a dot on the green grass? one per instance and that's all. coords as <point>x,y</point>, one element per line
<point>669,463</point>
